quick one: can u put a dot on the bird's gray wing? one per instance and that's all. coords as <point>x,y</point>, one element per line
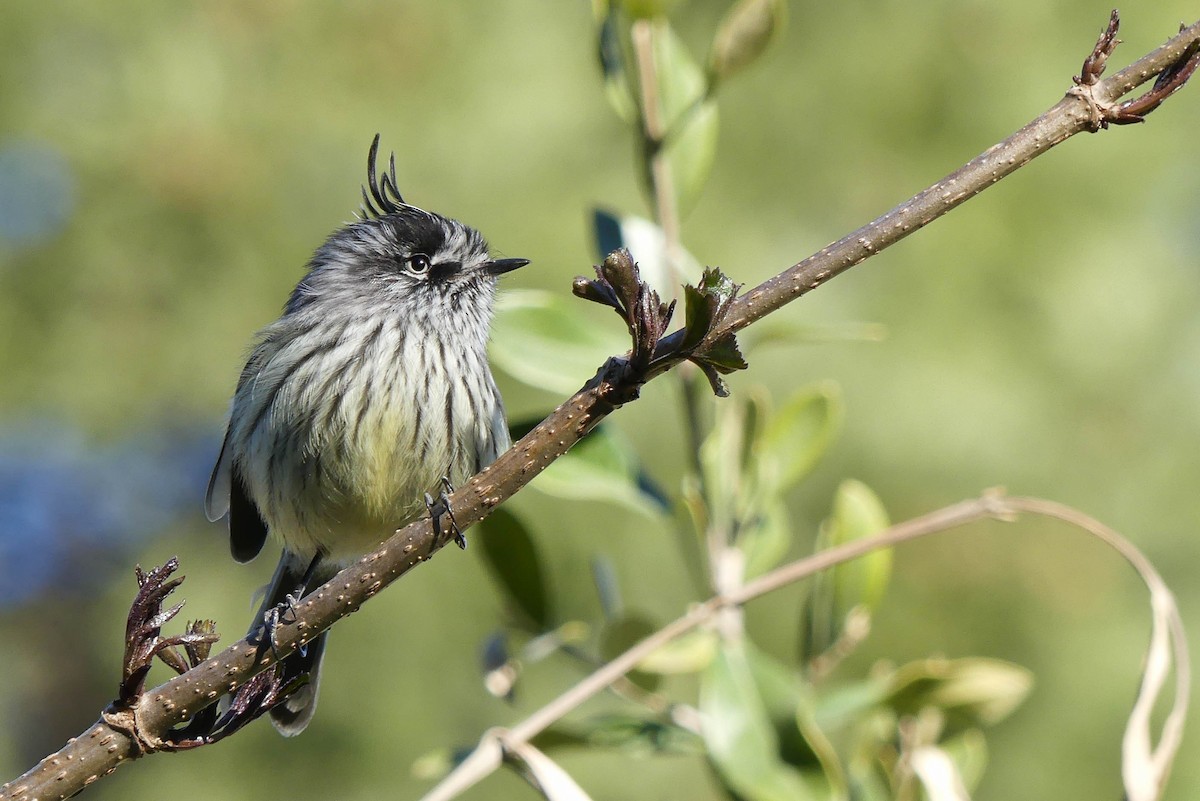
<point>216,499</point>
<point>227,490</point>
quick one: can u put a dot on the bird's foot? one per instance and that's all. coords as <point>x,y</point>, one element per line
<point>441,506</point>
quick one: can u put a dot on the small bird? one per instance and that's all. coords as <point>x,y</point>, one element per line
<point>368,396</point>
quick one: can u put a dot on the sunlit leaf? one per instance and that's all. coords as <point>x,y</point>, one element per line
<point>744,34</point>
<point>721,462</point>
<point>602,467</point>
<point>629,733</point>
<point>645,9</point>
<point>433,765</point>
<point>706,303</point>
<point>691,149</point>
<point>541,339</point>
<point>722,353</point>
<point>798,435</point>
<point>689,653</point>
<point>842,706</point>
<point>840,600</point>
<point>789,703</point>
<point>819,626</point>
<point>691,521</point>
<point>742,742</point>
<point>970,692</point>
<point>690,117</point>
<point>937,774</point>
<point>867,783</point>
<point>858,513</point>
<point>510,554</point>
<point>764,539</point>
<point>611,54</point>
<point>969,752</point>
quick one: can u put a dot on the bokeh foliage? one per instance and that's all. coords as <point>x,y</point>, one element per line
<point>187,159</point>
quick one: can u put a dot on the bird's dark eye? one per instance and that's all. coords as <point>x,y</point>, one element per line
<point>418,263</point>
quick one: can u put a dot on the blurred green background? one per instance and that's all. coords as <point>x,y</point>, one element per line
<point>166,170</point>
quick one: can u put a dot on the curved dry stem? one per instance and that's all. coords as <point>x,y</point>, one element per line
<point>1144,768</point>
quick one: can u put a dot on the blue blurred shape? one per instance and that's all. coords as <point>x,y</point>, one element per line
<point>37,193</point>
<point>72,511</point>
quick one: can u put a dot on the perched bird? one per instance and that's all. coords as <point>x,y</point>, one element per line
<point>371,392</point>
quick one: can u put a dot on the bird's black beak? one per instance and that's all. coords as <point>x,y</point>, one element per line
<point>501,266</point>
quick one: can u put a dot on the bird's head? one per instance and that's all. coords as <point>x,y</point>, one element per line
<point>399,255</point>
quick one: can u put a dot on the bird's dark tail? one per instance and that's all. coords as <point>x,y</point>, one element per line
<point>294,576</point>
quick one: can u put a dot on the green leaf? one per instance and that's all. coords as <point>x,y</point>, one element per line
<point>621,635</point>
<point>843,706</point>
<point>720,286</point>
<point>969,753</point>
<point>764,539</point>
<point>691,149</point>
<point>851,588</point>
<point>698,316</point>
<point>798,435</point>
<point>509,552</point>
<point>629,733</point>
<point>744,35</point>
<point>433,765</point>
<point>937,773</point>
<point>611,53</point>
<point>691,521</point>
<point>970,692</point>
<point>723,354</point>
<point>742,743</point>
<point>646,9</point>
<point>689,116</point>
<point>689,653</point>
<point>608,591</point>
<point>789,705</point>
<point>602,467</point>
<point>858,513</point>
<point>542,340</point>
<point>727,460</point>
<point>721,461</point>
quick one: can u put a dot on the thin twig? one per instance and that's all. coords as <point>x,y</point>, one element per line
<point>666,211</point>
<point>1071,115</point>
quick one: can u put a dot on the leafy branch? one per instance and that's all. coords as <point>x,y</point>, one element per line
<point>1146,765</point>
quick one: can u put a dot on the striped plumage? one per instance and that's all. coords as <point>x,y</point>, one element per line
<point>370,389</point>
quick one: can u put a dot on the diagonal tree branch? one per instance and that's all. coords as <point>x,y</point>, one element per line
<point>148,721</point>
<point>1075,113</point>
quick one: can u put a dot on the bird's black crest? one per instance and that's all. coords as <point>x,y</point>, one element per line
<point>384,196</point>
